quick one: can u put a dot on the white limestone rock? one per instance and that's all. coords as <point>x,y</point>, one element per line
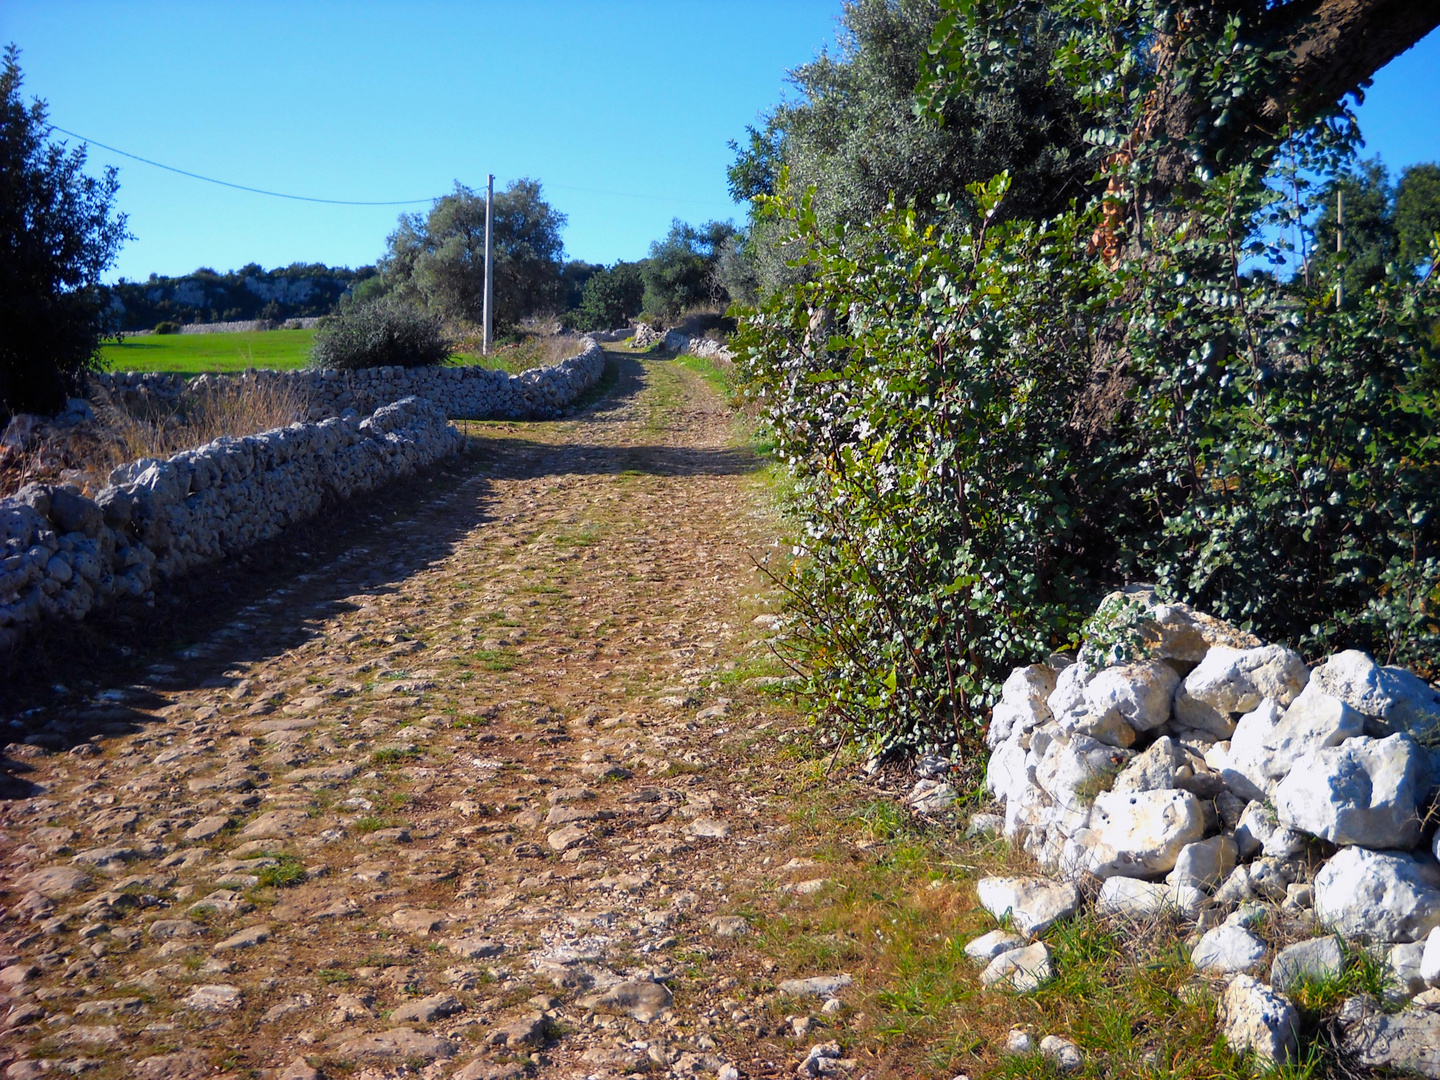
<point>1228,950</point>
<point>1364,791</point>
<point>1069,693</point>
<point>1177,631</point>
<point>1022,970</point>
<point>1154,769</point>
<point>1141,834</point>
<point>1256,1017</point>
<point>1132,898</point>
<point>1382,896</point>
<point>1006,773</point>
<point>1392,699</point>
<point>1205,863</point>
<point>988,946</point>
<point>1033,904</point>
<point>1230,681</point>
<point>1268,742</point>
<point>1073,768</point>
<point>1430,958</point>
<point>1022,704</point>
<point>1404,963</point>
<point>1140,693</point>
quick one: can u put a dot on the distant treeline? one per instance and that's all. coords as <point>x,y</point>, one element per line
<point>252,292</point>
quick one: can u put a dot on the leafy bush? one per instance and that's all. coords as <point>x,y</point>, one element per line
<point>383,332</point>
<point>167,327</point>
<point>58,236</point>
<point>995,422</point>
<point>612,296</point>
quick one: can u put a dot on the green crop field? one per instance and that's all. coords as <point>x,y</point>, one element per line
<point>193,354</point>
<point>279,350</point>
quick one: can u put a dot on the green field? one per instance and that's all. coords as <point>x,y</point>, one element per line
<point>277,350</point>
<point>193,354</point>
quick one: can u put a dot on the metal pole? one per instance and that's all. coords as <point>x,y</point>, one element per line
<point>1340,246</point>
<point>489,263</point>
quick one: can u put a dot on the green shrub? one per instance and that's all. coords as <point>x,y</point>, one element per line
<point>167,327</point>
<point>995,419</point>
<point>382,332</point>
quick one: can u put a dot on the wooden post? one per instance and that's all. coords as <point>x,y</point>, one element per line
<point>489,262</point>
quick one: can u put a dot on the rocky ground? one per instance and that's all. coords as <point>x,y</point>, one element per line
<point>482,784</point>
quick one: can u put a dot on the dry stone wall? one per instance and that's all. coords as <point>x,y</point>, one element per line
<point>63,554</point>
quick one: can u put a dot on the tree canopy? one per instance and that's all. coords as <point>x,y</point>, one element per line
<point>438,260</point>
<point>59,233</point>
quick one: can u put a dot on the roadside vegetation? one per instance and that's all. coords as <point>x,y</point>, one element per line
<point>1120,360</point>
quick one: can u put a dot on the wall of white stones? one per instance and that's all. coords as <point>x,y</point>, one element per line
<point>63,554</point>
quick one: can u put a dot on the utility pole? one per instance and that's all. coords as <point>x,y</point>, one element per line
<point>489,261</point>
<point>1340,248</point>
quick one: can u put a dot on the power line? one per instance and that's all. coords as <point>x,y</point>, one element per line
<point>353,202</point>
<point>239,187</point>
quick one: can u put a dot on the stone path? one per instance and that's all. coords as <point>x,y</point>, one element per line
<point>468,787</point>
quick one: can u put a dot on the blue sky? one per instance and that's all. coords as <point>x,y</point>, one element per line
<point>622,109</point>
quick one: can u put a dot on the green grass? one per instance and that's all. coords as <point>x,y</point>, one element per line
<point>194,354</point>
<point>277,350</point>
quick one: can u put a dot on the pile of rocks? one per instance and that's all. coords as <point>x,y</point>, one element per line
<point>1215,777</point>
<point>471,393</point>
<point>61,554</point>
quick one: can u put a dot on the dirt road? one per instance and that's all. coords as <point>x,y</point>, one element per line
<point>482,784</point>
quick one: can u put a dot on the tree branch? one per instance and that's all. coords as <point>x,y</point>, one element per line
<point>1339,44</point>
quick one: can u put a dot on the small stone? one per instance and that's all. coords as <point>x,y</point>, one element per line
<point>1227,950</point>
<point>1019,1042</point>
<point>1132,898</point>
<point>1022,970</point>
<point>566,838</point>
<point>54,882</point>
<point>245,939</point>
<point>1033,904</point>
<point>729,926</point>
<point>208,827</point>
<point>1062,1053</point>
<point>1253,1016</point>
<point>213,998</point>
<point>426,1010</point>
<point>417,921</point>
<point>641,999</point>
<point>1205,863</point>
<point>823,986</point>
<point>710,828</point>
<point>525,1031</point>
<point>475,948</point>
<point>1407,1041</point>
<point>988,946</point>
<point>1430,958</point>
<point>401,1044</point>
<point>299,1069</point>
